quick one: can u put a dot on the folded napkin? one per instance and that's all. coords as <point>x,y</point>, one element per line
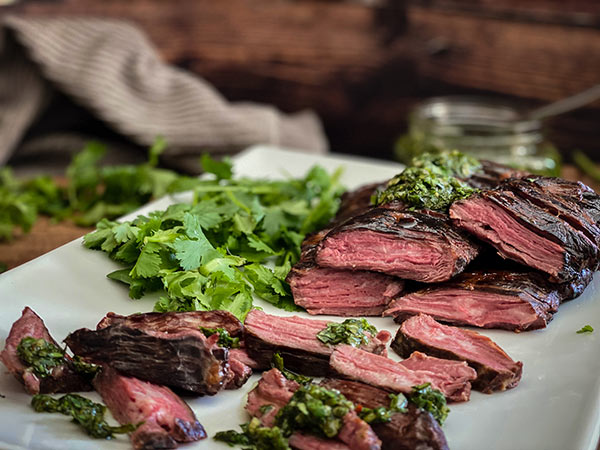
<point>111,71</point>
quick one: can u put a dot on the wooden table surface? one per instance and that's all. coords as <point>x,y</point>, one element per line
<point>46,235</point>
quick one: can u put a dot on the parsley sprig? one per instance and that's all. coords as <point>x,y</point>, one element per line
<point>209,254</point>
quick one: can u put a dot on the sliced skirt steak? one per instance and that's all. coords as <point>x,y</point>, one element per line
<point>496,371</point>
<point>417,246</point>
<point>384,373</point>
<point>166,418</point>
<point>487,299</point>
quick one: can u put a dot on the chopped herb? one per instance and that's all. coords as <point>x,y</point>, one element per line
<point>254,437</point>
<point>375,415</point>
<point>314,409</point>
<point>430,400</point>
<point>423,188</point>
<point>86,413</point>
<point>355,332</point>
<point>585,329</point>
<point>83,368</point>
<point>383,414</point>
<point>398,403</point>
<point>449,163</point>
<point>225,339</point>
<point>40,356</point>
<point>266,408</point>
<point>277,363</point>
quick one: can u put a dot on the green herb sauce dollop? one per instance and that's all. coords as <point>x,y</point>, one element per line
<point>351,331</point>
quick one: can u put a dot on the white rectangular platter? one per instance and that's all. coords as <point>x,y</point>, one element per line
<point>555,407</point>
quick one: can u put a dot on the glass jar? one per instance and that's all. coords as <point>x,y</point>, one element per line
<point>485,128</point>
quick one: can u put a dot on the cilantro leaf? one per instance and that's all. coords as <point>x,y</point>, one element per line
<point>222,169</point>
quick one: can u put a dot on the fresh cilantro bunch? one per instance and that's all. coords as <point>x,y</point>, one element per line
<point>209,254</point>
<point>91,192</point>
<point>20,201</point>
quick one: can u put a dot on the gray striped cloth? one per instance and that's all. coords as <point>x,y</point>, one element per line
<point>111,69</point>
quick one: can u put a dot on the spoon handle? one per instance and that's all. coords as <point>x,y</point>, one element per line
<point>566,104</point>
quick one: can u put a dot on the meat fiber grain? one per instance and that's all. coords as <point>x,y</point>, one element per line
<point>384,373</point>
<point>411,245</point>
<point>496,371</point>
<point>338,292</point>
<point>166,418</point>
<point>529,231</point>
<point>488,299</point>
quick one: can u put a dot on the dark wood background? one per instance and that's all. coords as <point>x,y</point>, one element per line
<point>362,65</point>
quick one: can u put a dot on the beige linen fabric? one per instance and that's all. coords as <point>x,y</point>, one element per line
<point>111,69</point>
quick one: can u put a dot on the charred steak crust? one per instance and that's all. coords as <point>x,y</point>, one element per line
<point>297,360</point>
<point>186,360</point>
<point>176,322</point>
<point>63,378</point>
<point>390,227</point>
<point>549,224</point>
<point>415,429</point>
<point>441,341</point>
<point>170,322</point>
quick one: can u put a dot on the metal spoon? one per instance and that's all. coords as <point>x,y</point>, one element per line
<point>566,104</point>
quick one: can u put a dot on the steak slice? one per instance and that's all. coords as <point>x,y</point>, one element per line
<point>295,338</point>
<point>63,378</point>
<point>172,322</point>
<point>566,201</point>
<point>525,232</point>
<point>384,373</point>
<point>419,246</point>
<point>175,322</point>
<point>414,429</point>
<point>185,360</point>
<point>339,292</point>
<point>166,418</point>
<point>486,299</point>
<point>496,371</point>
<point>274,391</point>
